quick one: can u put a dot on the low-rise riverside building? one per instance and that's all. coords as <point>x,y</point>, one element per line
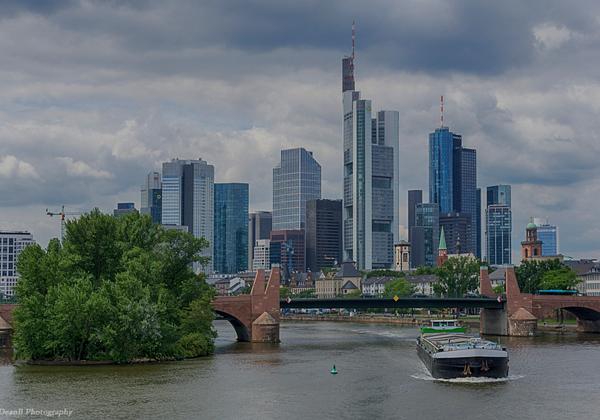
<point>423,283</point>
<point>330,285</point>
<point>375,286</point>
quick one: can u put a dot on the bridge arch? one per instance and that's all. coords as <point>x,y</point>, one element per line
<point>243,333</point>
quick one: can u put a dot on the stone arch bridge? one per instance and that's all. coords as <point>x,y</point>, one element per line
<point>522,311</point>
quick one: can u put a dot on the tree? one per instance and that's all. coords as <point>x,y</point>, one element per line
<point>384,273</point>
<point>399,287</point>
<point>425,269</point>
<point>530,273</point>
<point>562,279</point>
<point>352,295</point>
<point>499,289</point>
<point>457,276</point>
<point>119,289</point>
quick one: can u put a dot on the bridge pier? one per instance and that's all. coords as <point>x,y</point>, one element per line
<point>588,326</point>
<point>255,317</point>
<point>493,322</point>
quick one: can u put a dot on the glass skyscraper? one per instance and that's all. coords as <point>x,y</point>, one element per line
<point>188,200</point>
<point>231,228</point>
<point>152,197</point>
<point>453,181</point>
<point>498,225</point>
<point>296,180</point>
<point>371,178</point>
<point>442,166</point>
<point>427,224</point>
<point>548,234</point>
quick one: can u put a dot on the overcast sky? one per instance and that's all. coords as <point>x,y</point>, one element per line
<point>95,94</point>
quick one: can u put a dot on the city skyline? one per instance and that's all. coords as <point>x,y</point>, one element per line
<point>98,143</point>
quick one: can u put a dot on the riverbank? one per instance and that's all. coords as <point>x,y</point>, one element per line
<point>472,323</point>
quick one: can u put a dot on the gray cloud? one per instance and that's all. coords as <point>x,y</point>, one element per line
<point>95,94</point>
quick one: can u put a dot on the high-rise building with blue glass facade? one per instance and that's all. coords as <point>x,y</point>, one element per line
<point>371,200</point>
<point>151,192</point>
<point>188,200</point>
<point>453,181</point>
<point>548,234</point>
<point>296,180</point>
<point>231,228</point>
<point>498,225</point>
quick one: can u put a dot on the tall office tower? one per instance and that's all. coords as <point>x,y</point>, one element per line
<point>371,178</point>
<point>453,179</point>
<point>323,234</point>
<point>288,249</point>
<point>427,224</point>
<point>231,228</point>
<point>296,180</point>
<point>457,229</point>
<point>188,200</point>
<point>478,253</point>
<point>548,234</point>
<point>123,209</point>
<point>498,225</point>
<point>11,245</point>
<point>152,197</point>
<point>414,197</point>
<point>260,224</point>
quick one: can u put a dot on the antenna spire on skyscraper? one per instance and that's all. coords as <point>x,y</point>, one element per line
<point>353,37</point>
<point>442,111</point>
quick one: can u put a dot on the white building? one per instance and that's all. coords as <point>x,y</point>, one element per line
<point>11,245</point>
<point>375,286</point>
<point>188,200</point>
<point>423,283</point>
<point>262,259</point>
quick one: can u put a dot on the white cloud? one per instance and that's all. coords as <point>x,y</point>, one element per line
<point>81,169</point>
<point>550,36</point>
<point>11,168</point>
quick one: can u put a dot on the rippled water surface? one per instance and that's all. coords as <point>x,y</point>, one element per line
<point>380,376</point>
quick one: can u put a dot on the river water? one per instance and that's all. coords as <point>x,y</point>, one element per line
<point>380,376</point>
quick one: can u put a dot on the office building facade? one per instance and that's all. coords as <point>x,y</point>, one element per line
<point>151,197</point>
<point>453,181</point>
<point>123,209</point>
<point>231,227</point>
<point>371,178</point>
<point>323,234</point>
<point>548,234</point>
<point>188,200</point>
<point>427,233</point>
<point>260,224</point>
<point>11,245</point>
<point>457,230</point>
<point>296,180</point>
<point>498,225</point>
<point>261,259</point>
<point>288,249</point>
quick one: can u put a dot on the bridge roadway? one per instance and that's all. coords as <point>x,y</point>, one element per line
<point>366,303</point>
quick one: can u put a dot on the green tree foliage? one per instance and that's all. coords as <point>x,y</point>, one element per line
<point>457,276</point>
<point>425,269</point>
<point>119,289</point>
<point>384,273</point>
<point>562,279</point>
<point>499,289</point>
<point>531,272</point>
<point>399,287</point>
<point>355,294</point>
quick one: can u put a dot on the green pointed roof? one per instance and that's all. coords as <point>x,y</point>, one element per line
<point>442,240</point>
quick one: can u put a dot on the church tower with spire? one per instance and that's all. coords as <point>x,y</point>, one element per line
<point>442,250</point>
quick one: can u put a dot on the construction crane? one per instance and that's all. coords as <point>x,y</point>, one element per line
<point>62,213</point>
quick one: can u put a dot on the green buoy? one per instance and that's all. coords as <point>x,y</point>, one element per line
<point>333,370</point>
